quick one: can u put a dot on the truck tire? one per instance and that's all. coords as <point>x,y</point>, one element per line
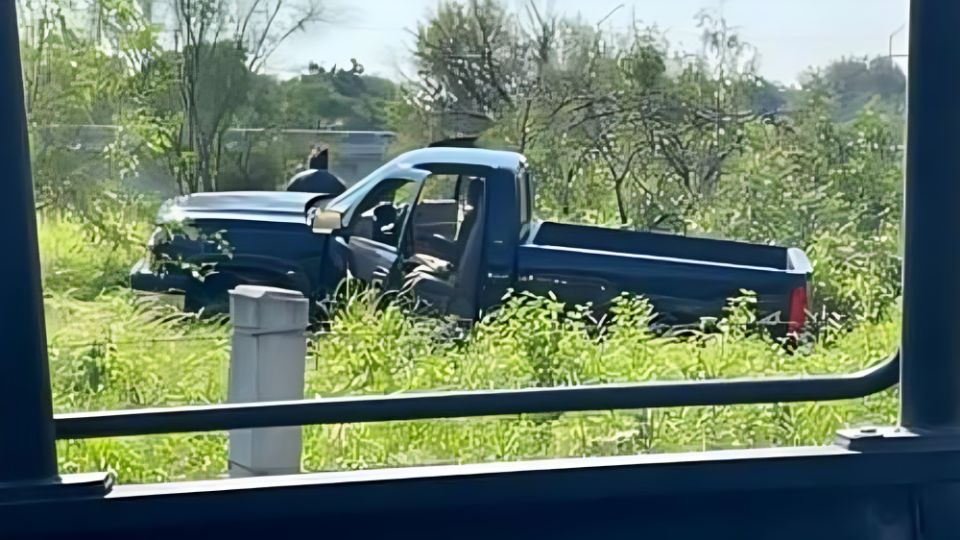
<point>212,295</point>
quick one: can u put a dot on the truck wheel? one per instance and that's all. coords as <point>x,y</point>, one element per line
<point>212,295</point>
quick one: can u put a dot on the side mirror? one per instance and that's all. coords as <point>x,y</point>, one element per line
<point>326,221</point>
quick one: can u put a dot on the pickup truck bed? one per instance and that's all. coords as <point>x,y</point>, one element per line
<point>685,278</point>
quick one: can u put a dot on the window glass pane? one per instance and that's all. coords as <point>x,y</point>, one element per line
<point>446,215</point>
<point>381,215</point>
<point>718,194</point>
<point>435,219</point>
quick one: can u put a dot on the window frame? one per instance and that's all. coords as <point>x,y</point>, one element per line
<point>349,231</point>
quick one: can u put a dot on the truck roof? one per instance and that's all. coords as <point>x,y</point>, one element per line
<point>414,159</point>
<point>472,156</point>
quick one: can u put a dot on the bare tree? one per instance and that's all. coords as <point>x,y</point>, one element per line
<point>653,131</point>
<point>469,61</point>
<point>221,44</point>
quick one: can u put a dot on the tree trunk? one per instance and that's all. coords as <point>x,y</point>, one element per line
<point>621,205</point>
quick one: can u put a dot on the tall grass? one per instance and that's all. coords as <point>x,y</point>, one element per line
<point>110,348</point>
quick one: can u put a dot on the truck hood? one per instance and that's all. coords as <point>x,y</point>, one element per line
<point>273,206</point>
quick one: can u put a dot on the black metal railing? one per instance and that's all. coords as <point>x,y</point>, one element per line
<point>419,406</point>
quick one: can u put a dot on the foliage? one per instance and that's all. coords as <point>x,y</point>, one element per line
<point>833,189</point>
<point>336,98</point>
<point>89,252</point>
<point>857,81</point>
<point>116,351</point>
<point>100,62</point>
<point>223,45</point>
<point>469,57</point>
<point>654,126</point>
<point>75,78</point>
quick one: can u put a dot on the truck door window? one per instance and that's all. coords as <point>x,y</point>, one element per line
<point>381,214</point>
<point>435,219</point>
<point>444,215</point>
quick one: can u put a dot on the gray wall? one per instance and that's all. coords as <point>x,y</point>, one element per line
<point>252,159</point>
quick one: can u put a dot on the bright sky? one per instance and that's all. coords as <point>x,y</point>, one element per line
<point>791,35</point>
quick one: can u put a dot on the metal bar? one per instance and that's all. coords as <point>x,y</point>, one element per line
<point>478,403</point>
<point>27,452</point>
<point>931,273</point>
<point>792,493</point>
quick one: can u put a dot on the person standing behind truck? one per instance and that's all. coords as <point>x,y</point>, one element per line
<point>317,179</point>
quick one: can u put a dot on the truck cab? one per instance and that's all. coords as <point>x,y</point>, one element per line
<point>444,222</point>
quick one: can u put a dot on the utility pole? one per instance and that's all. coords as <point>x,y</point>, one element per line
<point>890,55</point>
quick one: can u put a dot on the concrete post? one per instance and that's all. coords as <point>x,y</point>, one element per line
<point>267,362</point>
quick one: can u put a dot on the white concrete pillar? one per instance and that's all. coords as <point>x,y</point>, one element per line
<point>267,362</point>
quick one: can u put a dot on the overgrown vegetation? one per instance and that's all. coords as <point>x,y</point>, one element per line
<point>622,130</point>
<point>118,351</point>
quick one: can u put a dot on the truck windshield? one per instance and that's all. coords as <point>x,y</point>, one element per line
<point>361,187</point>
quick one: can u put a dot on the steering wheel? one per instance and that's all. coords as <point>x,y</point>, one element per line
<point>384,220</point>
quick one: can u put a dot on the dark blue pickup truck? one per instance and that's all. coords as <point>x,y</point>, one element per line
<point>455,223</point>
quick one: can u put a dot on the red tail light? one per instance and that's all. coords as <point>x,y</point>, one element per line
<point>797,309</point>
